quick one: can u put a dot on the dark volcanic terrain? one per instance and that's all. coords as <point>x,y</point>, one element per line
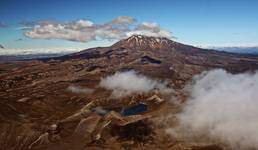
<point>34,95</point>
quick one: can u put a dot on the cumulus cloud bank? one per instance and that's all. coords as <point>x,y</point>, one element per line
<point>223,107</point>
<point>78,89</point>
<point>129,82</point>
<point>85,30</point>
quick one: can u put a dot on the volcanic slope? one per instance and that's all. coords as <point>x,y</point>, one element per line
<point>165,58</point>
<point>35,94</point>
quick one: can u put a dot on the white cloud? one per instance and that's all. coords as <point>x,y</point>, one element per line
<point>84,23</point>
<point>34,51</point>
<point>85,30</point>
<point>223,107</point>
<point>60,31</point>
<point>23,28</point>
<point>149,26</point>
<point>124,20</point>
<point>78,89</point>
<point>129,82</point>
<point>161,33</point>
<point>149,29</point>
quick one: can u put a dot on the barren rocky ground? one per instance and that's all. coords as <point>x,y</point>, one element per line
<point>34,94</point>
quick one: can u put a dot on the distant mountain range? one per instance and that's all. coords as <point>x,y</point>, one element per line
<point>4,58</point>
<point>243,50</point>
<point>253,50</point>
<point>7,54</point>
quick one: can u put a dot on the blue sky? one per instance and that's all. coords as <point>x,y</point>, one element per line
<point>196,22</point>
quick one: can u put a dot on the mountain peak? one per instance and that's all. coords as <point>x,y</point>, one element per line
<point>145,42</point>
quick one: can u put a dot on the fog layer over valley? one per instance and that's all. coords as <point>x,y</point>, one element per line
<point>222,107</point>
<point>130,82</point>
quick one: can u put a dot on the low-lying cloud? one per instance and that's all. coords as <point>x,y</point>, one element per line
<point>130,82</point>
<point>38,51</point>
<point>223,107</point>
<point>86,30</point>
<point>78,90</point>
